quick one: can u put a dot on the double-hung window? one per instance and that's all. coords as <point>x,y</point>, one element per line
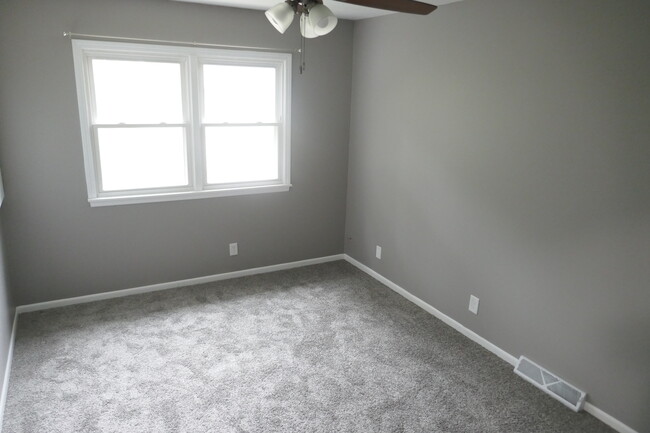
<point>165,123</point>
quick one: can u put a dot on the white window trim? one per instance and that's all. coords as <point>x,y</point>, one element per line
<point>191,59</point>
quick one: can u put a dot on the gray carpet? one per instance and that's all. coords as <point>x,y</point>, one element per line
<point>318,349</point>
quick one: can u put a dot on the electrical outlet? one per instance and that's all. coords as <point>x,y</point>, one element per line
<point>378,252</point>
<point>234,249</point>
<point>473,304</point>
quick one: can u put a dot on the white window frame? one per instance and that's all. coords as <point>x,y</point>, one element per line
<point>191,60</point>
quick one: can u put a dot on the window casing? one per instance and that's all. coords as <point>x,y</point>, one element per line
<point>162,123</point>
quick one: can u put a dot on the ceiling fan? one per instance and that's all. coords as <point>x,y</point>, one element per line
<point>316,19</point>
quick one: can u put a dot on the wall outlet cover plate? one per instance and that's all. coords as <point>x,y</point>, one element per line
<point>473,304</point>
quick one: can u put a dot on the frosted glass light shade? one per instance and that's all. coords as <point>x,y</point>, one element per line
<point>306,29</point>
<point>322,19</point>
<point>281,16</point>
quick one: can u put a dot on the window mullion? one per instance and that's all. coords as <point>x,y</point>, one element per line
<point>196,114</point>
<point>140,125</point>
<point>230,124</point>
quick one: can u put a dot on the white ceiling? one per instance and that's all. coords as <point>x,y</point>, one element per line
<point>341,10</point>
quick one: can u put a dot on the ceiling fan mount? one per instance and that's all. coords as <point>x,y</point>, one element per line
<point>316,19</point>
<point>302,6</point>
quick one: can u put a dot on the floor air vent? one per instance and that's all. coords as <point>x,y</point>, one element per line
<point>567,394</point>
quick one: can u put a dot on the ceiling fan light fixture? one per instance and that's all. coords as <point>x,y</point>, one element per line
<point>280,16</point>
<point>306,29</point>
<point>322,19</point>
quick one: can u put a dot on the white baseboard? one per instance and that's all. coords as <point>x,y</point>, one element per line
<point>588,407</point>
<point>5,382</point>
<point>435,312</point>
<point>137,290</point>
<point>174,284</point>
<point>607,419</point>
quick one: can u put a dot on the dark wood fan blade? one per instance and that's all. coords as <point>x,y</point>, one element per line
<point>407,6</point>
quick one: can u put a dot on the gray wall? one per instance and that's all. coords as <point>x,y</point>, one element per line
<point>59,247</point>
<point>7,309</point>
<point>500,148</point>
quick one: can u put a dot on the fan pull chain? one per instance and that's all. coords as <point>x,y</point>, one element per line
<point>303,62</point>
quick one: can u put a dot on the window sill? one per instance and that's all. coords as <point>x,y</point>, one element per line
<point>185,195</point>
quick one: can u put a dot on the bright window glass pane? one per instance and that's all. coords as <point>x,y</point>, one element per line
<point>138,158</point>
<point>241,154</point>
<point>137,92</point>
<point>243,94</point>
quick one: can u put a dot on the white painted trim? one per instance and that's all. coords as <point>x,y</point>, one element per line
<point>435,312</point>
<point>5,382</point>
<point>185,195</point>
<point>588,407</point>
<point>607,419</point>
<point>174,284</point>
